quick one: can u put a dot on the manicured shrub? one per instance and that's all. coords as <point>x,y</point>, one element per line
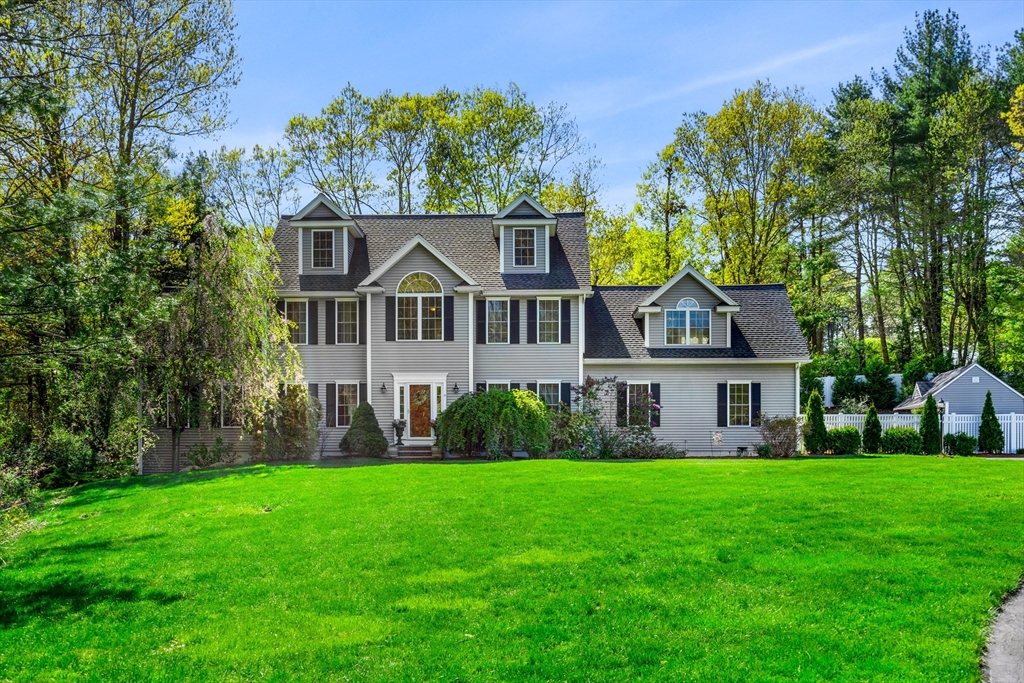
<point>901,440</point>
<point>764,451</point>
<point>779,435</point>
<point>364,437</point>
<point>497,422</point>
<point>814,429</point>
<point>960,444</point>
<point>843,440</point>
<point>872,431</point>
<point>990,433</point>
<point>931,432</point>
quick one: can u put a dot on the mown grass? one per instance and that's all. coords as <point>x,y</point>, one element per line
<point>883,569</point>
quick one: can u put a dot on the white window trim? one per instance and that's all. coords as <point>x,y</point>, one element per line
<point>534,231</point>
<point>507,383</point>
<point>344,256</point>
<point>557,383</point>
<point>312,249</point>
<point>687,311</point>
<point>337,404</point>
<point>402,381</point>
<point>223,391</point>
<point>632,383</point>
<point>305,301</point>
<point>728,403</point>
<point>487,319</point>
<point>419,308</point>
<point>559,309</point>
<point>336,321</point>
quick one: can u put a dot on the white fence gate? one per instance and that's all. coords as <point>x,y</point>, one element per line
<point>1012,424</point>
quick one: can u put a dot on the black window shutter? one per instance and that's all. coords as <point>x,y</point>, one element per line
<point>362,321</point>
<point>481,387</point>
<point>622,405</point>
<point>532,386</point>
<point>449,318</point>
<point>755,403</point>
<point>332,404</point>
<point>391,321</point>
<point>723,405</point>
<point>215,411</point>
<point>513,321</point>
<point>481,321</point>
<point>362,392</point>
<point>280,306</point>
<point>566,393</point>
<point>330,328</point>
<point>312,323</point>
<point>566,322</point>
<point>513,385</point>
<point>531,321</point>
<point>656,399</point>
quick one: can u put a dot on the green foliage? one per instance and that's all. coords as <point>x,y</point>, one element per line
<point>901,440</point>
<point>290,430</point>
<point>497,422</point>
<point>879,388</point>
<point>847,387</point>
<point>931,430</point>
<point>203,456</point>
<point>960,444</point>
<point>364,437</point>
<point>872,431</point>
<point>814,429</point>
<point>808,384</point>
<point>843,441</point>
<point>764,451</point>
<point>780,436</point>
<point>990,433</point>
<point>568,429</point>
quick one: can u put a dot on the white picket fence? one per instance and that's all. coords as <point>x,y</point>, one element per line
<point>1012,424</point>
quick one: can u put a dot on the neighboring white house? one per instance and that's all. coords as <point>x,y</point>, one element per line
<point>962,390</point>
<point>411,312</point>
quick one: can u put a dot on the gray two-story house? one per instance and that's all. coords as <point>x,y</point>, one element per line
<point>411,312</point>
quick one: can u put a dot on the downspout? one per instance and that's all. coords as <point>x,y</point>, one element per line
<point>583,332</point>
<point>369,351</point>
<point>472,387</point>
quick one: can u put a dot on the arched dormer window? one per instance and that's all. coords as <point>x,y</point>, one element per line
<point>420,308</point>
<point>688,324</point>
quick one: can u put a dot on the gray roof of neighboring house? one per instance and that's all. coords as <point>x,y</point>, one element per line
<point>765,327</point>
<point>467,240</point>
<point>936,384</point>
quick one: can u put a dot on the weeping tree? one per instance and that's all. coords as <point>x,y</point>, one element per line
<point>221,336</point>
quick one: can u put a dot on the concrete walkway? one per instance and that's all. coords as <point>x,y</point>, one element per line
<point>1004,656</point>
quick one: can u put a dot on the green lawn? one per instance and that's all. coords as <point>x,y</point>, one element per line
<point>883,569</point>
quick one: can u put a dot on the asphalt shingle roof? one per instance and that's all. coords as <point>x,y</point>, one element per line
<point>468,240</point>
<point>937,383</point>
<point>765,327</point>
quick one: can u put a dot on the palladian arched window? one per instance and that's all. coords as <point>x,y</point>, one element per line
<point>687,324</point>
<point>420,308</point>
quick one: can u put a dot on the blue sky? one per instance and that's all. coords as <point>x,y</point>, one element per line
<point>628,71</point>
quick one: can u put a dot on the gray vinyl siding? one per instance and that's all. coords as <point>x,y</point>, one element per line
<point>159,459</point>
<point>339,254</point>
<point>540,253</point>
<point>965,397</point>
<point>523,210</point>
<point>688,287</point>
<point>321,213</point>
<point>407,357</point>
<point>689,399</point>
<point>524,362</point>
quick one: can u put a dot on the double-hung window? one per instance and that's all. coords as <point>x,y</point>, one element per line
<point>549,321</point>
<point>348,399</point>
<point>497,321</point>
<point>348,321</point>
<point>497,386</point>
<point>295,314</point>
<point>688,324</point>
<point>548,392</point>
<point>524,247</point>
<point>639,406</point>
<point>739,404</point>
<point>420,308</point>
<point>323,248</point>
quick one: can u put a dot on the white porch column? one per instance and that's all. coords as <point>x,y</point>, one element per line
<point>369,351</point>
<point>471,334</point>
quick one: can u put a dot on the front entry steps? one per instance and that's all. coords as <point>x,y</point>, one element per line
<point>418,451</point>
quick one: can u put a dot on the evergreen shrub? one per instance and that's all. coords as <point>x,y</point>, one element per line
<point>990,433</point>
<point>843,440</point>
<point>960,444</point>
<point>901,440</point>
<point>364,437</point>
<point>814,429</point>
<point>872,431</point>
<point>931,432</point>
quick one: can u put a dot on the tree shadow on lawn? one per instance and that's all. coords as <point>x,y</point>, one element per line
<point>65,595</point>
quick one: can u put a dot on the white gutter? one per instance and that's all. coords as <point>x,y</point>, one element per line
<point>694,361</point>
<point>583,333</point>
<point>320,293</point>
<point>369,352</point>
<point>472,331</point>
<point>519,293</point>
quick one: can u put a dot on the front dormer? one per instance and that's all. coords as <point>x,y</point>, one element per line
<point>524,230</point>
<point>326,237</point>
<point>688,312</point>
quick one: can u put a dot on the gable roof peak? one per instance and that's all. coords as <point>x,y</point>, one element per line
<point>525,198</point>
<point>696,275</point>
<point>416,241</point>
<point>322,200</point>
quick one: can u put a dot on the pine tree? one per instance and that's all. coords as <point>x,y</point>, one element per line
<point>872,430</point>
<point>364,436</point>
<point>931,432</point>
<point>815,432</point>
<point>990,434</point>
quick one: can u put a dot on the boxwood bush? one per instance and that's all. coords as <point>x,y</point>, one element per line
<point>364,437</point>
<point>843,440</point>
<point>901,440</point>
<point>496,422</point>
<point>960,444</point>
